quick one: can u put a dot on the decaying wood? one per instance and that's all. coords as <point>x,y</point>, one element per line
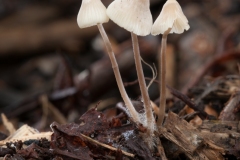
<point>25,133</point>
<point>231,111</point>
<point>211,140</point>
<point>9,126</point>
<point>161,151</point>
<point>223,133</point>
<point>189,139</point>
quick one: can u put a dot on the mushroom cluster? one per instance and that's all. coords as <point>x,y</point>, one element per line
<point>135,17</point>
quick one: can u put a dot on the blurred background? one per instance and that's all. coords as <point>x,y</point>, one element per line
<point>51,70</point>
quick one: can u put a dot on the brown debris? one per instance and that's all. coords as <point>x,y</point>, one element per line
<point>5,151</point>
<point>188,101</point>
<point>35,152</point>
<point>25,133</point>
<point>231,111</point>
<point>218,59</point>
<point>224,134</point>
<point>189,139</point>
<point>9,126</point>
<point>93,121</point>
<point>94,130</point>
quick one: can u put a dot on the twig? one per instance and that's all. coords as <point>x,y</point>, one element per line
<point>188,101</point>
<point>107,146</point>
<point>49,108</point>
<point>8,125</point>
<point>190,116</point>
<point>229,112</point>
<point>210,89</point>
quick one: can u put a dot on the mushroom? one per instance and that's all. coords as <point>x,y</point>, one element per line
<point>170,20</point>
<point>135,16</point>
<point>93,12</point>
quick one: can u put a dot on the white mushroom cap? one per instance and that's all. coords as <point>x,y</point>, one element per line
<point>133,15</point>
<point>171,16</point>
<point>91,13</point>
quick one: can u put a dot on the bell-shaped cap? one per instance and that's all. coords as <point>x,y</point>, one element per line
<point>133,15</point>
<point>171,16</point>
<point>91,13</point>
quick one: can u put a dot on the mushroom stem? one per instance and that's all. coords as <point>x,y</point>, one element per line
<point>142,83</point>
<point>162,74</point>
<point>117,74</point>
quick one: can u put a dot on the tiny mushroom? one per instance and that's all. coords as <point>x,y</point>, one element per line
<point>93,12</point>
<point>135,16</point>
<point>132,15</point>
<point>170,20</point>
<point>172,17</point>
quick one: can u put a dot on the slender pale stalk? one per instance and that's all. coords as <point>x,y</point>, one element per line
<point>162,75</point>
<point>117,74</point>
<point>142,83</point>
